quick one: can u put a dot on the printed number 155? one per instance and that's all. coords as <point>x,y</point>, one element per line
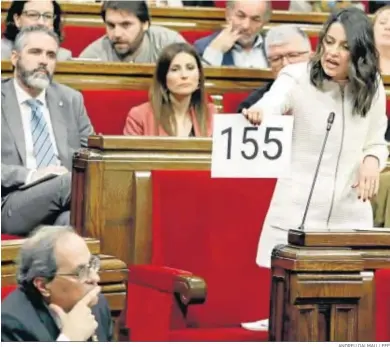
<point>252,151</point>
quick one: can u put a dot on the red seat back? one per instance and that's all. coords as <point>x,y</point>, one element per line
<point>220,3</point>
<point>77,37</point>
<point>280,5</point>
<point>231,101</point>
<point>211,227</point>
<point>314,41</point>
<point>6,290</point>
<point>382,319</point>
<point>108,109</point>
<point>5,237</point>
<point>388,105</point>
<point>192,36</point>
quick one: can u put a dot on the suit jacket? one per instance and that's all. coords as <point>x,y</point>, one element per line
<point>254,97</point>
<point>71,127</point>
<point>26,318</point>
<point>201,45</point>
<point>140,121</point>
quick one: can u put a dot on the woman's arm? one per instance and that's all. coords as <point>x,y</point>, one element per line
<point>277,100</point>
<point>134,123</point>
<point>375,144</point>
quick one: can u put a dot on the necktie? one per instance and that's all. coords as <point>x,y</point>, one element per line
<point>43,147</point>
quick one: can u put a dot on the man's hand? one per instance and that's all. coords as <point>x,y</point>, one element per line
<point>253,115</point>
<point>226,39</point>
<point>79,324</point>
<point>367,183</point>
<point>52,169</point>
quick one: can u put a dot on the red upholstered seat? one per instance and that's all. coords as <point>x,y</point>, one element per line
<point>210,228</point>
<point>192,36</point>
<point>388,105</point>
<point>382,284</point>
<point>280,5</point>
<point>6,290</point>
<point>77,37</point>
<point>220,3</point>
<point>108,109</point>
<point>231,101</point>
<point>5,237</point>
<point>313,41</point>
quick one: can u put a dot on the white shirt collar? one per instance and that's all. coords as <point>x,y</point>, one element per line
<point>22,96</point>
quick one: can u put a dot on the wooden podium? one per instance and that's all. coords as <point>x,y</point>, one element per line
<point>323,285</point>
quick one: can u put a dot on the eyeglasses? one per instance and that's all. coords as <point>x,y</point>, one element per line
<point>84,272</point>
<point>35,15</point>
<point>277,60</point>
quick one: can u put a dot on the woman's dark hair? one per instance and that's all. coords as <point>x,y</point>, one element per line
<point>159,93</point>
<point>363,74</point>
<point>17,8</point>
<point>138,8</point>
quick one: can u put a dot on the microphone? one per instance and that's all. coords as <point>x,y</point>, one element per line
<point>328,127</point>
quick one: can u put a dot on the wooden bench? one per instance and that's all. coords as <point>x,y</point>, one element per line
<point>194,16</point>
<point>114,88</point>
<point>111,196</point>
<point>113,272</point>
<point>83,23</point>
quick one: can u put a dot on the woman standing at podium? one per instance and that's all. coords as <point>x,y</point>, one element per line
<point>343,78</point>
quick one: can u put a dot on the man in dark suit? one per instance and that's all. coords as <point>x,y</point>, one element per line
<point>285,44</point>
<point>58,296</point>
<point>240,44</point>
<point>42,124</point>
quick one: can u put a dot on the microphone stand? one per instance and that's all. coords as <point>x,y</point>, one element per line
<point>328,127</point>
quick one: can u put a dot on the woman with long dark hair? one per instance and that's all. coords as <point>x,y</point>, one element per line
<point>177,99</point>
<point>28,13</point>
<point>342,77</point>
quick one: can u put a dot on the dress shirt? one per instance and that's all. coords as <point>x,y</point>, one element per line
<point>253,58</point>
<point>26,114</point>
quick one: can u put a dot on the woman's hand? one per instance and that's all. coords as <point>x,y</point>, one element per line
<point>367,183</point>
<point>253,115</point>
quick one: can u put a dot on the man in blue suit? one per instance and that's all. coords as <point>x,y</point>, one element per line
<point>240,43</point>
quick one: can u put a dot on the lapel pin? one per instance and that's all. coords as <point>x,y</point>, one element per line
<point>61,104</point>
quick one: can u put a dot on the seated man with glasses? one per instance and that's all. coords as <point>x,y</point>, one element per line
<point>285,44</point>
<point>58,298</point>
<point>28,13</point>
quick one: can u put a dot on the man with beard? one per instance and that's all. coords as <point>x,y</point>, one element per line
<point>130,36</point>
<point>240,43</point>
<point>42,124</point>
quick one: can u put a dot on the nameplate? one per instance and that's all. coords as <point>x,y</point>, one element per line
<point>241,149</point>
